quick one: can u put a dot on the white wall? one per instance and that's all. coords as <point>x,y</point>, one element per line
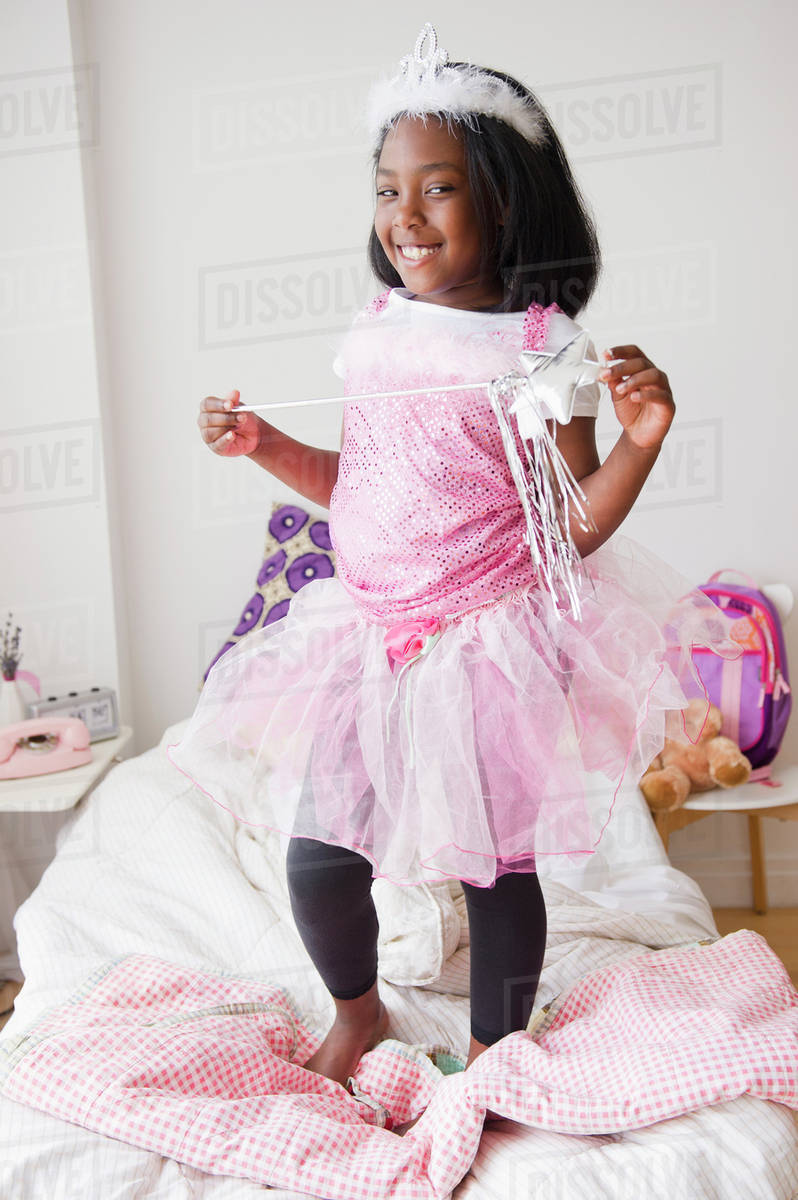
<point>56,575</point>
<point>56,564</point>
<point>226,169</point>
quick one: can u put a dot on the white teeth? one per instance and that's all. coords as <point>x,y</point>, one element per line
<point>417,251</point>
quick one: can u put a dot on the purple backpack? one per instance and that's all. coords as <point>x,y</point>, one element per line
<point>753,691</point>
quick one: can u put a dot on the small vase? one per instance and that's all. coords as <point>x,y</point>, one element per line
<point>12,706</point>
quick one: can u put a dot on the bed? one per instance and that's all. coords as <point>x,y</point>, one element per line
<point>148,871</point>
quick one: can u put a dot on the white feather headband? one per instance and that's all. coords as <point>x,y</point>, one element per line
<point>426,84</point>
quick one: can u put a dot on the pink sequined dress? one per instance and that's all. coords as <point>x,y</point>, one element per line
<point>507,734</point>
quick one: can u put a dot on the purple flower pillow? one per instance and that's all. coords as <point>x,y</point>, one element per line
<point>298,549</point>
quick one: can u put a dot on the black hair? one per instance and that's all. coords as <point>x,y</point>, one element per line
<point>547,249</point>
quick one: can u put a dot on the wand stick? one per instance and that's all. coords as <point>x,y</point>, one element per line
<point>422,391</point>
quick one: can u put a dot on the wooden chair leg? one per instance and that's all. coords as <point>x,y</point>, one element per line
<point>662,825</point>
<point>758,879</point>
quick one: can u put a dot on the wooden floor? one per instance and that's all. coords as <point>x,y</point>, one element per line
<point>779,927</point>
<point>8,991</point>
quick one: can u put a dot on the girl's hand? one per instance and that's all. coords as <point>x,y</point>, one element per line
<point>226,432</point>
<point>641,395</point>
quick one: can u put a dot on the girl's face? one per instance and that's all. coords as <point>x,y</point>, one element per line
<point>425,218</point>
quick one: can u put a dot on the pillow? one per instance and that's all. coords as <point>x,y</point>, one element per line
<point>298,549</point>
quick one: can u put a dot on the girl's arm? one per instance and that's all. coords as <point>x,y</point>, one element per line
<point>644,407</point>
<point>308,470</point>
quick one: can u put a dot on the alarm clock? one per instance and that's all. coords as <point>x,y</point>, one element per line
<point>96,708</point>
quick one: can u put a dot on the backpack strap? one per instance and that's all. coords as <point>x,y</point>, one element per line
<point>536,325</point>
<point>762,775</point>
<point>731,691</point>
<point>733,571</point>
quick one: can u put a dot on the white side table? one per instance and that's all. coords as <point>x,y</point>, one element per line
<point>63,789</point>
<point>753,800</point>
<point>29,823</point>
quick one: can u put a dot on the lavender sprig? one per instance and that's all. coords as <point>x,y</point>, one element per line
<point>10,653</point>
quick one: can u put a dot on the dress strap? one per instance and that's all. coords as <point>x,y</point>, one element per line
<point>375,306</point>
<point>536,325</point>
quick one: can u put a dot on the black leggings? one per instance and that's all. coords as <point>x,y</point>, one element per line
<point>330,891</point>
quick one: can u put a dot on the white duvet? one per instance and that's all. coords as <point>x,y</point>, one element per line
<point>149,865</point>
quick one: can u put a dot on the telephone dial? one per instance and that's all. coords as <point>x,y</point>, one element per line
<point>42,745</point>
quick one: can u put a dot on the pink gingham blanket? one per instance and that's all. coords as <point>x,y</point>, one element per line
<point>205,1069</point>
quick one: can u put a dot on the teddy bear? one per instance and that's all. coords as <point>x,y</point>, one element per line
<point>706,761</point>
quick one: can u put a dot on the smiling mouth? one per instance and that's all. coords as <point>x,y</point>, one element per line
<point>417,254</point>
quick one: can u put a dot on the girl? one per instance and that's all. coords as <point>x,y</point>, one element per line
<point>428,713</point>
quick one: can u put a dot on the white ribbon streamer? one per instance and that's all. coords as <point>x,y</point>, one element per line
<point>548,491</point>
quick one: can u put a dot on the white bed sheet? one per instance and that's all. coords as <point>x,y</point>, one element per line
<point>150,866</point>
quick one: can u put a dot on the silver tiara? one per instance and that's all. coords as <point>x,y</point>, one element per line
<point>426,84</point>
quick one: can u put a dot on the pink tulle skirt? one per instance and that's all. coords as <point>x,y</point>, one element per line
<point>507,741</point>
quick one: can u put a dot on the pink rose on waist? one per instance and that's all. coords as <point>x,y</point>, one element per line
<point>408,640</point>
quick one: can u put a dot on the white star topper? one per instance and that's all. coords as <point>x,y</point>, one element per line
<point>552,379</point>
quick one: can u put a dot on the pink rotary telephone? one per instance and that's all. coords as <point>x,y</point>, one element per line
<point>43,745</point>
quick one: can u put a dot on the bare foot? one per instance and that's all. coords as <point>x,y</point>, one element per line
<point>401,1130</point>
<point>475,1049</point>
<point>490,1119</point>
<point>347,1042</point>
